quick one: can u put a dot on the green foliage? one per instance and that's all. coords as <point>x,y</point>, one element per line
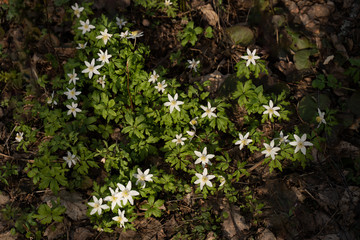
<point>153,207</point>
<point>322,81</point>
<point>7,171</point>
<point>189,34</point>
<point>48,214</point>
<point>354,70</point>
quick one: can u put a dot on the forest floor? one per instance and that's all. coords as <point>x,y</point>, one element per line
<point>320,201</point>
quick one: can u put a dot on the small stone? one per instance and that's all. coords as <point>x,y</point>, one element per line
<point>145,22</point>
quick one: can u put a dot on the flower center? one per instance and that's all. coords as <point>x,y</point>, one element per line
<point>77,12</point>
<point>204,178</point>
<point>86,27</point>
<point>142,177</point>
<point>96,205</point>
<point>243,141</point>
<point>120,219</point>
<point>91,68</point>
<point>173,103</point>
<point>203,158</point>
<point>126,193</point>
<point>318,119</point>
<point>208,111</point>
<point>271,111</point>
<point>300,144</point>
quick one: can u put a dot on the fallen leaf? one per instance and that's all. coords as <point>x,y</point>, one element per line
<point>82,234</point>
<point>210,15</point>
<point>55,230</point>
<point>328,59</point>
<point>4,198</point>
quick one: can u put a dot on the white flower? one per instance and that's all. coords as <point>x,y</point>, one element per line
<point>143,177</point>
<point>243,140</point>
<point>191,134</point>
<point>135,34</point>
<point>81,45</point>
<point>194,122</point>
<point>167,3</point>
<point>204,179</point>
<point>19,136</point>
<point>208,111</point>
<point>71,94</point>
<point>179,139</point>
<point>105,36</point>
<point>300,143</point>
<point>270,150</point>
<point>70,159</point>
<point>193,64</point>
<point>271,109</point>
<point>173,103</point>
<point>91,68</point>
<point>73,109</point>
<point>250,57</point>
<point>101,81</point>
<point>204,158</point>
<point>104,57</point>
<point>97,206</point>
<point>282,138</point>
<point>126,193</point>
<point>121,219</point>
<point>124,34</point>
<point>222,181</point>
<point>86,26</point>
<point>73,77</point>
<point>120,22</point>
<point>154,77</point>
<point>321,118</point>
<point>50,100</point>
<point>161,86</point>
<point>77,10</point>
<point>114,198</point>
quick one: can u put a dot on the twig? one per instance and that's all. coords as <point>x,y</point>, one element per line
<point>7,156</point>
<point>251,169</point>
<point>7,140</point>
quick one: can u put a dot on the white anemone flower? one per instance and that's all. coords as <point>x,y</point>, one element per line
<point>204,179</point>
<point>270,150</point>
<point>179,139</point>
<point>120,22</point>
<point>161,86</point>
<point>124,34</point>
<point>300,143</point>
<point>321,118</point>
<point>105,36</point>
<point>243,140</point>
<point>71,94</point>
<point>153,77</point>
<point>101,81</point>
<point>271,109</point>
<point>51,100</point>
<point>97,206</point>
<point>73,109</point>
<point>121,219</point>
<point>19,136</point>
<point>73,77</point>
<point>126,193</point>
<point>167,3</point>
<point>91,68</point>
<point>104,56</point>
<point>204,158</point>
<point>282,138</point>
<point>173,103</point>
<point>77,9</point>
<point>193,64</point>
<point>81,45</point>
<point>70,159</point>
<point>209,111</point>
<point>86,26</point>
<point>143,177</point>
<point>251,57</point>
<point>114,198</point>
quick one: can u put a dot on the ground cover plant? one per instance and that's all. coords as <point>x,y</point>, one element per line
<point>114,140</point>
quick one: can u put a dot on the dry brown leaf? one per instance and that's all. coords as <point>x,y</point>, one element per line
<point>210,15</point>
<point>55,230</point>
<point>82,234</point>
<point>4,198</point>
